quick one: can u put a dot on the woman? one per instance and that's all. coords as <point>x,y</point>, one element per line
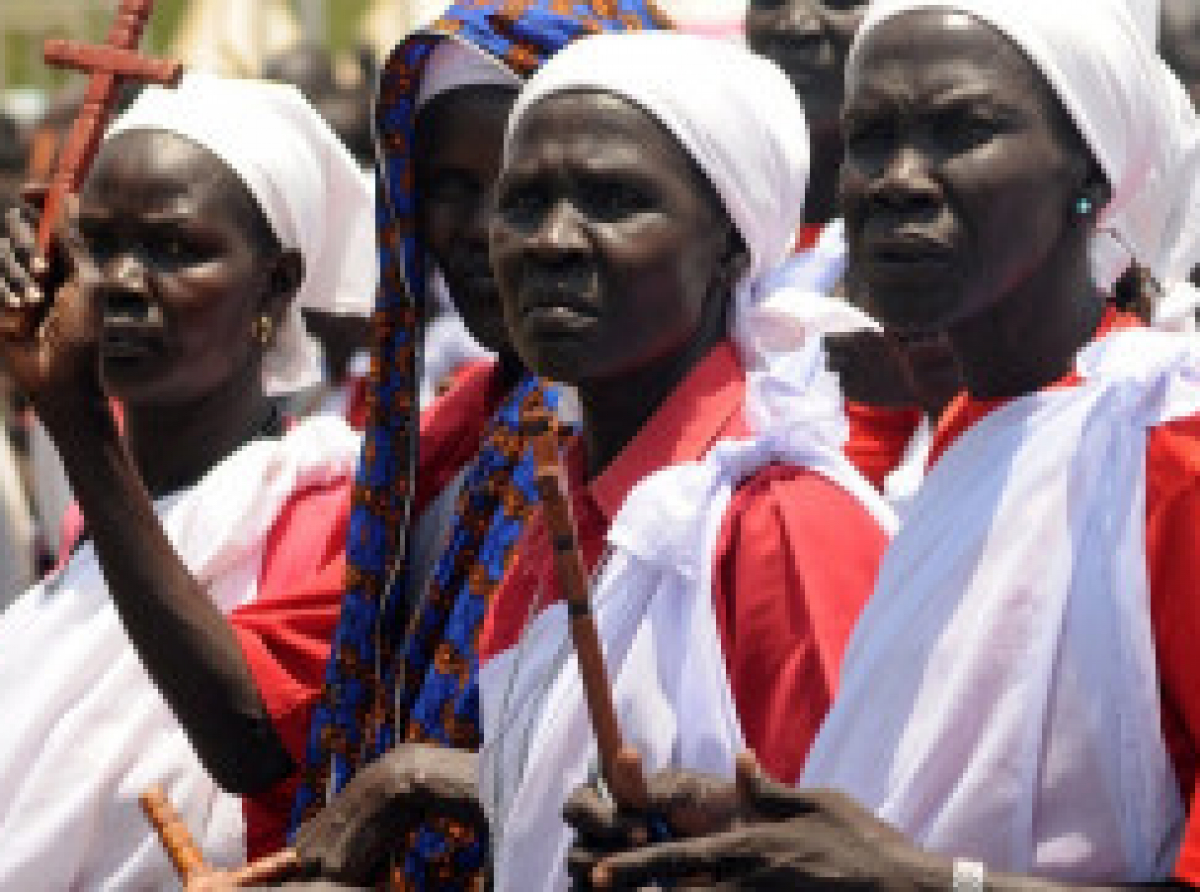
<point>1019,693</point>
<point>651,184</point>
<point>443,102</point>
<point>183,641</point>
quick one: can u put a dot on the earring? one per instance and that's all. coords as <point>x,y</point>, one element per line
<point>264,327</point>
<point>1083,206</point>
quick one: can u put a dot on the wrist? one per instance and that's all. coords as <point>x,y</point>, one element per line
<point>926,872</point>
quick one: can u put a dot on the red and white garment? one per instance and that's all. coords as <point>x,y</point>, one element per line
<point>1000,695</point>
<point>653,602</point>
<point>86,731</point>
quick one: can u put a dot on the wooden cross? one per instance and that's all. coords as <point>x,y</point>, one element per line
<point>108,65</point>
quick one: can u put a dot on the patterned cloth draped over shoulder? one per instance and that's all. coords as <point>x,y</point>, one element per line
<point>379,641</point>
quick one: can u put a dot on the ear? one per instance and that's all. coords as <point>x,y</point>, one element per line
<point>283,276</point>
<point>734,259</point>
<point>1096,188</point>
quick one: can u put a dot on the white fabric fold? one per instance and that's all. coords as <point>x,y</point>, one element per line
<point>85,730</point>
<point>315,197</point>
<point>653,604</point>
<point>1000,696</point>
<point>755,153</point>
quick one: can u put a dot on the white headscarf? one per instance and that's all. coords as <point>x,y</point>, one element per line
<point>459,63</point>
<point>1099,58</point>
<point>755,153</point>
<point>316,199</point>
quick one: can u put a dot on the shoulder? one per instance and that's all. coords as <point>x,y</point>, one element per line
<point>804,504</point>
<point>792,530</point>
<point>1173,464</point>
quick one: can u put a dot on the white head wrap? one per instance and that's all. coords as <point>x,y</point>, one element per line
<point>734,112</point>
<point>457,63</point>
<point>1104,70</point>
<point>316,199</point>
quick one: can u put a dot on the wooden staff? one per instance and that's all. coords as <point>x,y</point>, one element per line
<point>188,860</point>
<point>109,65</point>
<point>620,763</point>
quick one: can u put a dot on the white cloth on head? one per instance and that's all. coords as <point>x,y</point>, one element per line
<point>312,193</point>
<point>653,603</point>
<point>1108,77</point>
<point>459,63</point>
<point>1178,252</point>
<point>735,113</point>
<point>86,731</point>
<point>1000,697</point>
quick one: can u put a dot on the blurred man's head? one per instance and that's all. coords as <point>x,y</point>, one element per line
<point>1180,42</point>
<point>13,160</point>
<point>809,40</point>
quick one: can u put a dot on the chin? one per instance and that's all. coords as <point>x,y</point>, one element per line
<point>560,359</point>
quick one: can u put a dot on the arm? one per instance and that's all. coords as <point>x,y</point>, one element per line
<point>49,337</point>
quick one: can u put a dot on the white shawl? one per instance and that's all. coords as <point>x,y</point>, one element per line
<point>652,600</point>
<point>1000,698</point>
<point>85,731</point>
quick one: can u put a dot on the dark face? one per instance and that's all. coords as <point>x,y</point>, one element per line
<point>961,170</point>
<point>611,250</point>
<point>187,269</point>
<point>808,39</point>
<point>1180,42</point>
<point>460,140</point>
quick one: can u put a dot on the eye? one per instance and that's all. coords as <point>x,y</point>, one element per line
<point>845,5</point>
<point>614,199</point>
<point>523,206</point>
<point>101,243</point>
<point>866,135</point>
<point>766,5</point>
<point>451,187</point>
<point>961,130</point>
<point>173,249</point>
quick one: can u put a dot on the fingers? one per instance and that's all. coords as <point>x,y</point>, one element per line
<point>669,861</point>
<point>767,798</point>
<point>18,280</point>
<point>598,823</point>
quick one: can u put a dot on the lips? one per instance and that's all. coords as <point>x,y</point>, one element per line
<point>905,255</point>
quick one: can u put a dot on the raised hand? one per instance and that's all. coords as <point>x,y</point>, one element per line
<point>50,320</point>
<point>350,840</point>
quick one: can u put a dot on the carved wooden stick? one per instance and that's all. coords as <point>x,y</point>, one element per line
<point>620,763</point>
<point>185,855</point>
<point>110,64</point>
<point>188,860</point>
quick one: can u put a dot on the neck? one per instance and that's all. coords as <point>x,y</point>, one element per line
<point>820,201</point>
<point>1030,338</point>
<point>614,410</point>
<point>175,446</point>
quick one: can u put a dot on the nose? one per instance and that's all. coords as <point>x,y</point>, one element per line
<point>560,231</point>
<point>801,18</point>
<point>905,182</point>
<point>476,230</point>
<point>126,270</point>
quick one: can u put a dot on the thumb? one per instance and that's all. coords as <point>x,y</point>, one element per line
<point>655,864</point>
<point>764,796</point>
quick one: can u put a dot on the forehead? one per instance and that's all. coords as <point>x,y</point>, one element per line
<point>148,170</point>
<point>917,55</point>
<point>465,114</point>
<point>597,128</point>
